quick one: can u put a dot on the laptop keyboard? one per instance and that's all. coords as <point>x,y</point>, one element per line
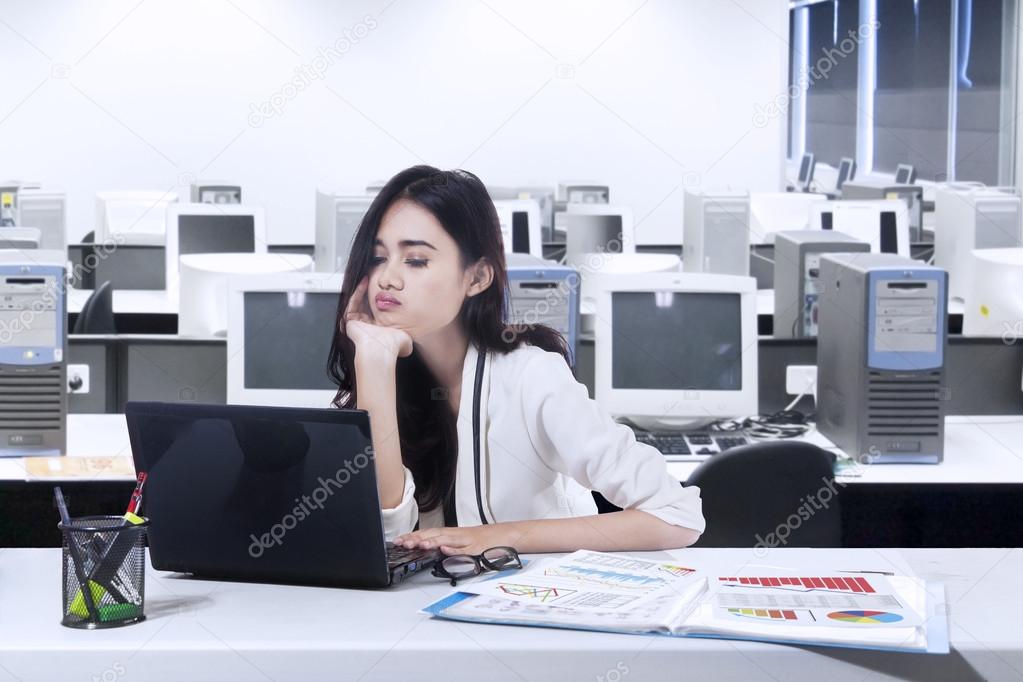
<point>399,555</point>
<point>683,444</point>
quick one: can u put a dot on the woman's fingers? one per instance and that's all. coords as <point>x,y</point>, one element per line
<point>357,304</point>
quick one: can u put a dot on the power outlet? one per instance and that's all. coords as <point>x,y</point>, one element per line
<point>78,379</point>
<point>801,379</point>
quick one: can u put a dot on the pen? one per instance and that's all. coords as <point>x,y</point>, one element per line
<point>84,591</point>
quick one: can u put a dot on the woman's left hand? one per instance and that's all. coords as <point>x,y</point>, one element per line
<point>456,540</point>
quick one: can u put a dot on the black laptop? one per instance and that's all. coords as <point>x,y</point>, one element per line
<point>267,494</point>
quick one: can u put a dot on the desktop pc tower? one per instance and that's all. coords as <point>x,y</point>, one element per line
<point>715,237</point>
<point>33,336</point>
<point>544,292</point>
<point>797,277</point>
<point>881,357</point>
<point>338,218</point>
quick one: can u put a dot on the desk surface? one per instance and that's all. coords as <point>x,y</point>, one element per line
<point>209,630</point>
<point>978,450</point>
<point>128,301</point>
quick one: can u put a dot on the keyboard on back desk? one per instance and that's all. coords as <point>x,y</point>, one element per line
<point>691,445</point>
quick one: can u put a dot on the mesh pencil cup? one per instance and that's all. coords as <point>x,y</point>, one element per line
<point>107,554</point>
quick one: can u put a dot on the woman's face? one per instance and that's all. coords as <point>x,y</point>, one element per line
<point>417,281</point>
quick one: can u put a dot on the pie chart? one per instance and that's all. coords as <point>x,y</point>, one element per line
<point>870,617</point>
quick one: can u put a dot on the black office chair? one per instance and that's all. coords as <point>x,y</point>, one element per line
<point>770,494</point>
<point>97,316</point>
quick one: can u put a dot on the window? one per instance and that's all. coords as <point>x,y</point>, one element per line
<point>929,82</point>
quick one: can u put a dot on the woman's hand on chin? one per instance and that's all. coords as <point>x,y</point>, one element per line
<point>373,342</point>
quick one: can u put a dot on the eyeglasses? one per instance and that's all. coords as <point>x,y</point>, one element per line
<point>460,566</point>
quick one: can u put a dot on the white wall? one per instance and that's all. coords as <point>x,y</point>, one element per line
<point>111,94</point>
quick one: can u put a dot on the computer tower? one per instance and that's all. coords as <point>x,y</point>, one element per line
<point>45,210</point>
<point>797,283</point>
<point>543,292</point>
<point>33,336</point>
<point>881,357</point>
<point>912,195</point>
<point>715,232</point>
<point>337,220</point>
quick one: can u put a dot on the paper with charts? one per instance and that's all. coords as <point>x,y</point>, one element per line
<point>588,581</point>
<point>597,591</point>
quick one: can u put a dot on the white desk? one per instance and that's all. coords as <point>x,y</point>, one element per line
<point>128,301</point>
<point>984,450</point>
<point>208,630</point>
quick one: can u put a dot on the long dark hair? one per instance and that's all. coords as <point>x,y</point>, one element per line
<point>426,426</point>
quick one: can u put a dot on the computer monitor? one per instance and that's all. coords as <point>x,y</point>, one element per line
<point>279,331</point>
<point>772,212</point>
<point>905,174</point>
<point>597,228</point>
<point>211,228</point>
<point>994,295</point>
<point>130,266</point>
<point>204,280</point>
<point>583,192</point>
<point>911,195</point>
<point>806,169</point>
<point>846,172</point>
<point>716,232</point>
<point>983,218</point>
<point>884,224</point>
<point>946,227</point>
<point>338,217</point>
<point>677,349</point>
<point>521,226</point>
<point>215,192</point>
<point>132,216</point>
<point>598,271</point>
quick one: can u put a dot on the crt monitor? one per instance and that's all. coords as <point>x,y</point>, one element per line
<point>677,349</point>
<point>993,304</point>
<point>882,223</point>
<point>211,228</point>
<point>279,333</point>
<point>521,226</point>
<point>905,174</point>
<point>806,168</point>
<point>846,172</point>
<point>597,228</point>
<point>132,216</point>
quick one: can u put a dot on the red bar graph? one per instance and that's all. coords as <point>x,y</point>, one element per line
<point>845,584</point>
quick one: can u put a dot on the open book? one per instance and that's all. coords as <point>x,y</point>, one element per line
<point>614,593</point>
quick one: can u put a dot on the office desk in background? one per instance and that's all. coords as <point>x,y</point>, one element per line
<point>972,499</point>
<point>210,630</point>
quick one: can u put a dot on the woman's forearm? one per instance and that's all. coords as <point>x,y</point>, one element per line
<point>626,530</point>
<point>378,396</point>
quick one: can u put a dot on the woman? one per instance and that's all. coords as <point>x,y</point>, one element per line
<point>419,331</point>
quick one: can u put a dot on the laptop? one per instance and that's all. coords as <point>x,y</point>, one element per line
<point>265,494</point>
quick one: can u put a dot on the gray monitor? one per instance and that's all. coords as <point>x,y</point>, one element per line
<point>905,174</point>
<point>591,233</point>
<point>131,266</point>
<point>287,338</point>
<point>216,234</point>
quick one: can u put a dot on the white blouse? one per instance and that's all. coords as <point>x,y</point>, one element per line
<point>544,446</point>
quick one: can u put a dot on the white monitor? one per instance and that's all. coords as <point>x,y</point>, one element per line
<point>806,168</point>
<point>846,172</point>
<point>993,304</point>
<point>46,210</point>
<point>716,232</point>
<point>132,217</point>
<point>211,228</point>
<point>599,270</point>
<point>521,227</point>
<point>983,218</point>
<point>204,279</point>
<point>677,350</point>
<point>279,332</point>
<point>905,174</point>
<point>882,223</point>
<point>338,217</point>
<point>597,228</point>
<point>19,238</point>
<point>772,212</point>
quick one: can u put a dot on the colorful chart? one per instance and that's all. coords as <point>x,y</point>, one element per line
<point>677,571</point>
<point>770,614</point>
<point>615,579</point>
<point>856,584</point>
<point>542,594</point>
<point>869,617</point>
